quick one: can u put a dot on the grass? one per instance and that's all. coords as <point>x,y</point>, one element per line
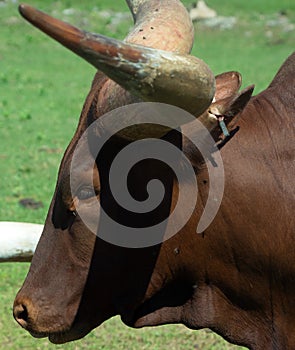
<point>42,89</point>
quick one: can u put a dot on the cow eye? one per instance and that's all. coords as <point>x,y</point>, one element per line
<point>86,193</point>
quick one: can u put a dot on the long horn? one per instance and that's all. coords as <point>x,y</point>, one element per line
<point>151,74</point>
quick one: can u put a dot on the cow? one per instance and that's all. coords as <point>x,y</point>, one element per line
<point>237,277</point>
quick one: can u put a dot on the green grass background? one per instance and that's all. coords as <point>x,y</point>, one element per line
<point>42,89</point>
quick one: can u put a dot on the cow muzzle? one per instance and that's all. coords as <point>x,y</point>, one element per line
<point>24,314</point>
<point>40,318</point>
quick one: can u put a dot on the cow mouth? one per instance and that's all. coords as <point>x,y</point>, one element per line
<point>72,334</point>
<point>55,338</point>
<point>38,335</point>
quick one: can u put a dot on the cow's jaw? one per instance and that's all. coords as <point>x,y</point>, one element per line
<point>163,303</point>
<point>75,333</point>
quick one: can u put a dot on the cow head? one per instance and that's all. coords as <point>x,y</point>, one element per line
<point>78,280</point>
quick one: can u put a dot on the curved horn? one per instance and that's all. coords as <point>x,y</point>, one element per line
<point>149,73</point>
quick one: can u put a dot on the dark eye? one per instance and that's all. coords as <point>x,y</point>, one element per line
<point>86,193</point>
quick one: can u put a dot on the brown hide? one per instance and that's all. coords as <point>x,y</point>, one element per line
<point>236,278</point>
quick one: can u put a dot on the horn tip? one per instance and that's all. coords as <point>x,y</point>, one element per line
<point>23,9</point>
<point>27,11</point>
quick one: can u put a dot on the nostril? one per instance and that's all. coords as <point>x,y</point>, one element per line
<point>21,315</point>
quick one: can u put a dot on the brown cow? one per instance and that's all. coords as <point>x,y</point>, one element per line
<point>237,277</point>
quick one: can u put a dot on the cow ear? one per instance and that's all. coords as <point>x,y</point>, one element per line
<point>224,113</point>
<point>226,108</point>
<point>229,107</point>
<point>227,84</point>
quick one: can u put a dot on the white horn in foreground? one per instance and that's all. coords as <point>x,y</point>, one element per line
<point>18,240</point>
